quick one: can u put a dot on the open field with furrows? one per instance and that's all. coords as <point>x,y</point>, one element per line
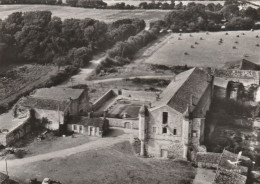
<point>116,164</point>
<point>65,12</point>
<point>205,50</point>
<point>17,80</point>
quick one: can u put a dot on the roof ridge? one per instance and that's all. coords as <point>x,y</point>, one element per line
<point>193,69</point>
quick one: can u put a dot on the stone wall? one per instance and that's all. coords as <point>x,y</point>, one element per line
<point>20,131</point>
<point>208,160</point>
<point>139,95</point>
<point>103,99</point>
<point>123,123</point>
<point>166,149</point>
<point>55,118</point>
<point>236,74</point>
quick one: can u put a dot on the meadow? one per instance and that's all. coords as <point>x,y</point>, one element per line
<point>65,12</point>
<point>204,49</point>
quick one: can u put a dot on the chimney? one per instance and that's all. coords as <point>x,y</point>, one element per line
<point>90,114</point>
<point>105,114</point>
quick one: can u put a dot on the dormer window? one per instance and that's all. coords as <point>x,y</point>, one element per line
<point>165,118</point>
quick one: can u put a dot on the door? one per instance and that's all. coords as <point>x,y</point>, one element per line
<point>128,125</point>
<point>164,153</point>
<point>92,131</point>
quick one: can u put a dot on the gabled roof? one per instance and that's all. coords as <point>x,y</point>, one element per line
<point>242,65</point>
<point>58,93</point>
<point>248,65</point>
<point>45,104</point>
<point>186,85</point>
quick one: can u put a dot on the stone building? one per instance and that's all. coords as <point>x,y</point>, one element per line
<point>174,125</point>
<point>53,105</point>
<point>88,125</point>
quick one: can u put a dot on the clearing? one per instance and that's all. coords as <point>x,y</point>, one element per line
<point>106,160</point>
<point>106,15</point>
<point>204,49</point>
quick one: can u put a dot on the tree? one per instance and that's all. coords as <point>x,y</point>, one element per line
<point>80,56</point>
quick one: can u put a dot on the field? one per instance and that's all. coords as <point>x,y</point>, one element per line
<point>136,3</point>
<point>81,13</point>
<point>116,164</point>
<point>201,49</point>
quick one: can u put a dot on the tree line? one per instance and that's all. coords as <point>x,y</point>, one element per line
<point>37,37</point>
<point>198,17</point>
<point>123,52</point>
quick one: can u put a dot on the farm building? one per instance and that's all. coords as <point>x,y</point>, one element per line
<point>12,129</point>
<point>53,105</point>
<point>91,126</point>
<point>123,106</point>
<point>245,73</point>
<point>226,172</point>
<point>175,122</point>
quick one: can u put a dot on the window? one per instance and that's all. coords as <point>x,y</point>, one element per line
<point>165,118</point>
<point>194,133</point>
<point>164,130</point>
<point>80,128</point>
<point>74,127</point>
<point>154,129</point>
<point>174,131</point>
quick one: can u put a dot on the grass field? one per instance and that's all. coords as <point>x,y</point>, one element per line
<point>207,51</point>
<point>70,12</point>
<point>116,164</point>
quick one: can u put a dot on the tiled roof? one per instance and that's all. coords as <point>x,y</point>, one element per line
<point>208,157</point>
<point>57,93</point>
<point>45,104</point>
<point>86,121</point>
<point>248,65</point>
<point>186,85</point>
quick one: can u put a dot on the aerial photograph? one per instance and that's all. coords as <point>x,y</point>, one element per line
<point>129,92</point>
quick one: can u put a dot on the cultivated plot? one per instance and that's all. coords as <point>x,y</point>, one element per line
<point>205,49</point>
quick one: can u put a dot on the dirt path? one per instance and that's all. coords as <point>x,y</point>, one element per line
<point>81,77</point>
<point>93,145</point>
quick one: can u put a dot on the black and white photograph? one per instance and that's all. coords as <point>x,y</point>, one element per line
<point>129,91</point>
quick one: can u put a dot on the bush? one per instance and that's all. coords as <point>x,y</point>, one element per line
<point>239,23</point>
<point>20,153</point>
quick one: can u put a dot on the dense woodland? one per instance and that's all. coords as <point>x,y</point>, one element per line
<point>37,37</point>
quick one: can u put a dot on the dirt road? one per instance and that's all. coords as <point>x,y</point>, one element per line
<point>101,143</point>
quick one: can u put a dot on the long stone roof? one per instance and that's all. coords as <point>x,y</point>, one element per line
<point>57,93</point>
<point>186,85</point>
